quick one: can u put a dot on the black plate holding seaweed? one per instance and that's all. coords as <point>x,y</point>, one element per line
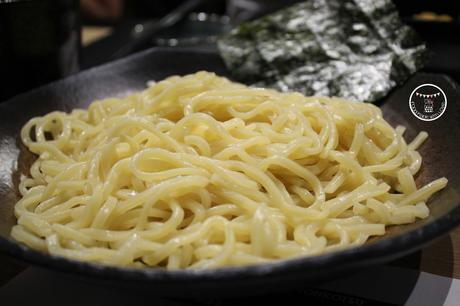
<point>441,158</point>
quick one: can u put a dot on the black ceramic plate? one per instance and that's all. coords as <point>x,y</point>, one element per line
<point>441,158</point>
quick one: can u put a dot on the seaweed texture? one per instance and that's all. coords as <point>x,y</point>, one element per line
<point>356,49</point>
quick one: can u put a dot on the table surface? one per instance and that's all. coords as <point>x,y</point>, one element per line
<point>442,257</point>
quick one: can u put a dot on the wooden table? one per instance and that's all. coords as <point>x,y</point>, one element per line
<point>442,257</point>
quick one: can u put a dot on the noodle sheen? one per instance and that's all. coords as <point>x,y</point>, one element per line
<point>200,172</point>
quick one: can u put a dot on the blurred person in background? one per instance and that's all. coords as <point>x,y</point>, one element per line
<point>110,10</point>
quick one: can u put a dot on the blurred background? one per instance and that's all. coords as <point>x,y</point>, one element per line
<point>44,40</point>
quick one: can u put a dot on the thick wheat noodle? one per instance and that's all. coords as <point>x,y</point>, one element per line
<point>200,172</point>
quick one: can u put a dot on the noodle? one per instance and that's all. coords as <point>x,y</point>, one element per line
<point>200,172</point>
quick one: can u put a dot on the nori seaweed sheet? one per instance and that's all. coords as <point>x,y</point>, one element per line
<point>356,49</point>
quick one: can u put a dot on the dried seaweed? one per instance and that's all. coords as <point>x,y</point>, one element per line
<point>357,49</point>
